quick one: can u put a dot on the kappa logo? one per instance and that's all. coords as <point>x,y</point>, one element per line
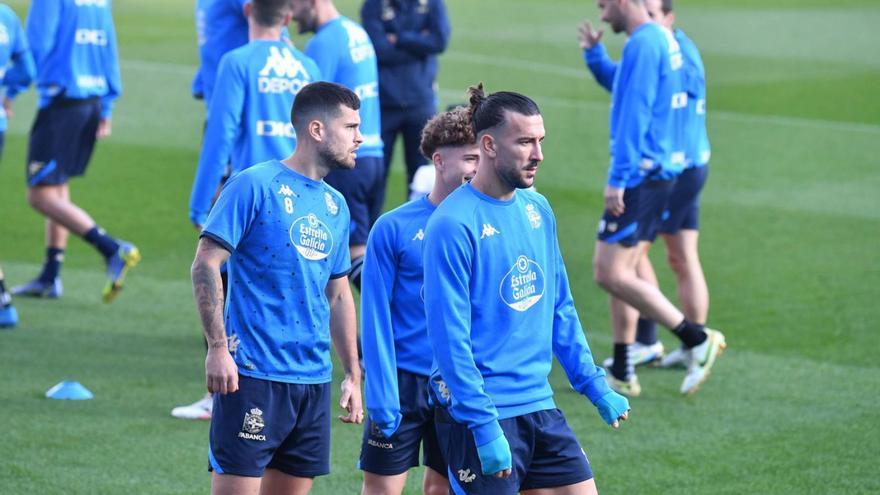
<point>533,216</point>
<point>420,235</point>
<point>358,42</point>
<point>332,207</point>
<point>465,476</point>
<point>285,190</point>
<point>489,231</point>
<point>282,63</point>
<point>252,426</point>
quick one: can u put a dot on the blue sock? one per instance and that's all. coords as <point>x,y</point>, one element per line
<point>646,332</point>
<point>104,243</point>
<point>52,266</point>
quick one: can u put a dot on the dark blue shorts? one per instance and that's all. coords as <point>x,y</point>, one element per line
<point>395,455</point>
<point>683,210</point>
<point>266,424</point>
<point>643,213</point>
<point>62,140</point>
<point>364,190</point>
<point>546,454</point>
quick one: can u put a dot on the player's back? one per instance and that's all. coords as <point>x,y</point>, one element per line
<point>223,28</point>
<point>271,74</point>
<point>74,47</point>
<point>345,55</point>
<point>698,149</point>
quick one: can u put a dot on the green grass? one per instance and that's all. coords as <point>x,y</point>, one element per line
<point>791,229</point>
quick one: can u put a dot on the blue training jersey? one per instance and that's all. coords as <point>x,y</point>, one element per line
<point>220,27</point>
<point>393,328</point>
<point>345,55</point>
<point>17,68</point>
<point>74,48</point>
<point>697,148</point>
<point>249,116</point>
<point>288,236</point>
<point>648,109</point>
<point>499,308</point>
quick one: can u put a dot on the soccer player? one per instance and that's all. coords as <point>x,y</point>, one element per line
<point>248,117</point>
<point>393,327</point>
<point>499,308</point>
<point>283,232</point>
<point>408,36</point>
<point>681,217</point>
<point>16,73</point>
<point>345,55</point>
<point>74,47</point>
<point>648,109</point>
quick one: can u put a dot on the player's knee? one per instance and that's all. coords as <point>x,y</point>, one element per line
<point>440,487</point>
<point>36,198</point>
<point>677,261</point>
<point>603,275</point>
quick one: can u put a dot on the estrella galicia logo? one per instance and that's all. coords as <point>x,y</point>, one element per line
<point>523,286</point>
<point>252,426</point>
<point>311,237</point>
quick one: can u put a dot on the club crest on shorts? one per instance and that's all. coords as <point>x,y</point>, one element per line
<point>533,216</point>
<point>332,207</point>
<point>253,425</point>
<point>311,237</point>
<point>523,286</point>
<point>465,476</point>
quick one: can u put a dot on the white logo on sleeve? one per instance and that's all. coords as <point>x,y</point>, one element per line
<point>523,286</point>
<point>489,231</point>
<point>533,216</point>
<point>311,237</point>
<point>332,207</point>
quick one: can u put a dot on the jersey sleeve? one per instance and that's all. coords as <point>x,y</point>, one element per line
<point>235,210</point>
<point>325,55</point>
<point>431,41</point>
<point>341,264</point>
<point>114,78</point>
<point>377,333</point>
<point>448,255</point>
<point>638,82</point>
<point>601,65</point>
<point>23,69</point>
<point>224,121</point>
<point>386,52</point>
<point>40,26</point>
<point>569,343</point>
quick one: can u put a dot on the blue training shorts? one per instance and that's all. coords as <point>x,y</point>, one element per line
<point>364,191</point>
<point>267,424</point>
<point>395,455</point>
<point>546,454</point>
<point>62,140</point>
<point>683,210</point>
<point>643,212</point>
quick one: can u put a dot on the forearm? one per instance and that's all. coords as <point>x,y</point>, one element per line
<point>343,331</point>
<point>208,292</point>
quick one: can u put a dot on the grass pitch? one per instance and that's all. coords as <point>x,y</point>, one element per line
<point>790,236</point>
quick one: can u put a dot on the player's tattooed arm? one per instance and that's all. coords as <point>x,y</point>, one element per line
<point>221,373</point>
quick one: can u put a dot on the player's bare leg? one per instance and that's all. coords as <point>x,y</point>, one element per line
<point>229,484</point>
<point>54,203</point>
<point>377,484</point>
<point>684,259</point>
<point>587,487</point>
<point>434,483</point>
<point>276,482</point>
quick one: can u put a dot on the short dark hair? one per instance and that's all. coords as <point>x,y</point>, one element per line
<point>450,128</point>
<point>320,100</point>
<point>269,13</point>
<point>666,6</point>
<point>488,111</point>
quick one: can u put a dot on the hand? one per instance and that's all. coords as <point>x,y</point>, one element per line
<point>7,107</point>
<point>105,128</point>
<point>587,36</point>
<point>613,408</point>
<point>495,458</point>
<point>351,401</point>
<point>392,38</point>
<point>614,200</point>
<point>221,373</point>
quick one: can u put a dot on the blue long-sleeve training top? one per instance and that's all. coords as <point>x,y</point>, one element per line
<point>393,327</point>
<point>343,52</point>
<point>17,68</point>
<point>249,116</point>
<point>499,308</point>
<point>408,67</point>
<point>74,48</point>
<point>648,108</point>
<point>220,27</point>
<point>697,148</point>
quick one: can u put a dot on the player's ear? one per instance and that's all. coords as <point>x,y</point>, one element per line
<point>316,130</point>
<point>487,145</point>
<point>246,8</point>
<point>437,160</point>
